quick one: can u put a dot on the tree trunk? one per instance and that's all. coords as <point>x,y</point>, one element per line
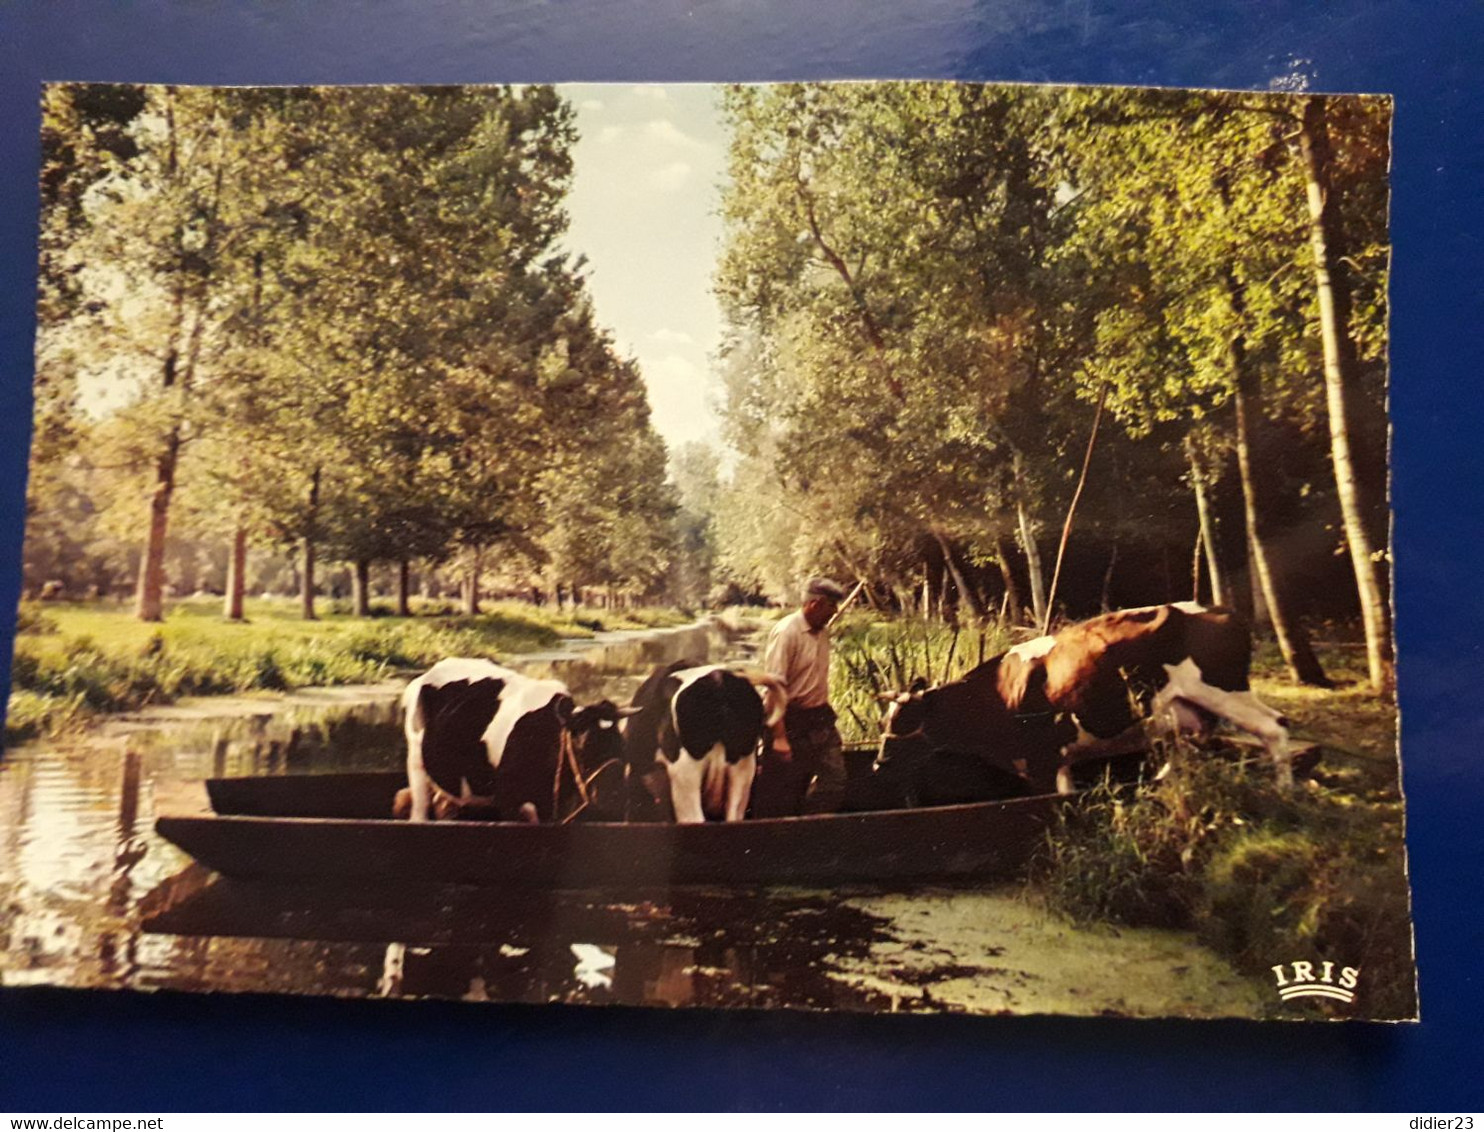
<point>236,576</point>
<point>1014,606</point>
<point>965,595</point>
<point>1028,544</point>
<point>1066,530</point>
<point>1292,642</point>
<point>360,584</point>
<point>471,582</point>
<point>1257,611</point>
<point>1326,240</point>
<point>306,581</point>
<point>178,371</point>
<point>150,602</point>
<point>404,587</point>
<point>1105,602</point>
<point>1195,566</point>
<point>1032,563</point>
<point>1220,591</point>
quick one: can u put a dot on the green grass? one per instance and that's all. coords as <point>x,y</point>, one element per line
<point>73,661</point>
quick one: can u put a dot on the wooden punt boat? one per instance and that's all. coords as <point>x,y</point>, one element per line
<point>337,828</point>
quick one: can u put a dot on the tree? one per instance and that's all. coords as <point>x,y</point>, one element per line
<point>1182,209</point>
<point>1333,291</point>
<point>887,245</point>
<point>342,323</point>
<point>695,471</point>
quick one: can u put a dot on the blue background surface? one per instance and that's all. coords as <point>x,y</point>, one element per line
<point>78,1051</point>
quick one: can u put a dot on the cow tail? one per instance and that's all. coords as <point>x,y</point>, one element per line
<point>775,693</point>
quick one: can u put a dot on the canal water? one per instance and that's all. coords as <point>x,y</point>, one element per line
<point>91,897</point>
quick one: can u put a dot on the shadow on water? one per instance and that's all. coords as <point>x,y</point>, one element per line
<point>676,947</point>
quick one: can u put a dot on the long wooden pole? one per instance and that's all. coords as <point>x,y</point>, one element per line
<point>1066,529</point>
<point>844,605</point>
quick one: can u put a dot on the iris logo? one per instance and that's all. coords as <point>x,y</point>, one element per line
<point>1305,983</point>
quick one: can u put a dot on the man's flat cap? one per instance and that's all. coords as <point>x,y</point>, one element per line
<point>823,587</point>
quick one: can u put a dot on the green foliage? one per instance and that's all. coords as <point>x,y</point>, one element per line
<point>882,275</point>
<point>31,621</point>
<point>928,285</point>
<point>1109,860</point>
<point>330,315</point>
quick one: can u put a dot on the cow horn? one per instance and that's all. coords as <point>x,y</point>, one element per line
<point>625,712</point>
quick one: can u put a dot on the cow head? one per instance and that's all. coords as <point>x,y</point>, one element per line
<point>597,733</point>
<point>996,713</point>
<point>903,717</point>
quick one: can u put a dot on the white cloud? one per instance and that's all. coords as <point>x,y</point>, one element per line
<point>658,93</point>
<point>664,130</point>
<point>591,104</point>
<point>682,398</point>
<point>609,134</point>
<point>672,337</point>
<point>669,178</point>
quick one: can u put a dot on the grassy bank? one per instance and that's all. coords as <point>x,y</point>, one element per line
<point>1262,877</point>
<point>74,661</point>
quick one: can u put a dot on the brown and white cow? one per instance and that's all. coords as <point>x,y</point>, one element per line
<point>484,738</point>
<point>1094,690</point>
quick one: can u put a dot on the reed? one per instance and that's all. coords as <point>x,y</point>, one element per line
<point>871,656</point>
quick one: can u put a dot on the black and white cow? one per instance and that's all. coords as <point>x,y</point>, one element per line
<point>703,725</point>
<point>476,730</point>
<point>1094,690</point>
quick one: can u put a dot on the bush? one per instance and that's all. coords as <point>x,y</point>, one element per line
<point>1258,896</point>
<point>30,621</point>
<point>31,714</point>
<point>1116,860</point>
<point>264,671</point>
<point>1312,896</point>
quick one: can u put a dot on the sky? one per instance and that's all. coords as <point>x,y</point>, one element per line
<point>647,171</point>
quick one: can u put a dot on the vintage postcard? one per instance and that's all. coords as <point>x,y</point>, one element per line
<point>903,546</point>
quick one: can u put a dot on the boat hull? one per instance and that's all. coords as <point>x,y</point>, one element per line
<point>982,839</point>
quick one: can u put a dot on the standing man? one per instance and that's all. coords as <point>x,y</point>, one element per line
<point>806,746</point>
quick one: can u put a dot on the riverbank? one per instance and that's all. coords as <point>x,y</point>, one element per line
<point>74,662</point>
<point>1259,874</point>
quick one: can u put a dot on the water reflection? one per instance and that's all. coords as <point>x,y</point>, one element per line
<point>678,947</point>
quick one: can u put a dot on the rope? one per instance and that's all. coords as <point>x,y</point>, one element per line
<point>567,760</point>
